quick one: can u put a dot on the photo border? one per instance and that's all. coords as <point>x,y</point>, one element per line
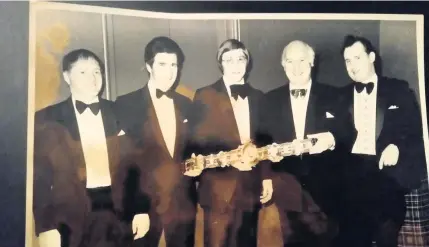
<point>35,6</point>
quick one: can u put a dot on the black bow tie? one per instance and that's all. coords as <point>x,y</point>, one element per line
<point>160,93</point>
<point>298,92</point>
<point>360,86</point>
<point>240,90</point>
<point>81,107</point>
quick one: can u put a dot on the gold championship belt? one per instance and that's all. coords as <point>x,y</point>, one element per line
<point>249,153</point>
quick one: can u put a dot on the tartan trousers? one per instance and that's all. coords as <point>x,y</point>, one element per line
<point>415,231</point>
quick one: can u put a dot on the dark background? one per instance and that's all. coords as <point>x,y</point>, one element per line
<point>14,81</point>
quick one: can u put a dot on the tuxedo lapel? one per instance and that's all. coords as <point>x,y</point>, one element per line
<point>111,131</point>
<point>151,127</point>
<point>180,129</point>
<point>287,114</point>
<point>349,102</point>
<point>253,112</point>
<point>73,146</point>
<point>226,111</point>
<point>382,94</point>
<point>68,119</point>
<point>310,124</point>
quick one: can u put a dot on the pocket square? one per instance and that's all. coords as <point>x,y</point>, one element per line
<point>393,107</point>
<point>329,115</point>
<point>185,121</point>
<point>121,133</point>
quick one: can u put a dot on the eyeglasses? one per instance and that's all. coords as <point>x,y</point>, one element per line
<point>241,60</point>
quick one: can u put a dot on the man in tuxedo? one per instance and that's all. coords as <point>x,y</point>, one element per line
<point>225,115</point>
<point>306,186</point>
<point>78,192</point>
<point>156,117</point>
<point>387,157</point>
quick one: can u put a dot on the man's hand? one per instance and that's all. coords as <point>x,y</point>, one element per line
<point>273,155</point>
<point>140,224</point>
<point>389,156</point>
<point>267,190</point>
<point>324,142</point>
<point>51,238</point>
<point>198,166</point>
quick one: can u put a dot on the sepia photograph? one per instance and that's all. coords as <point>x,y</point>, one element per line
<point>156,129</point>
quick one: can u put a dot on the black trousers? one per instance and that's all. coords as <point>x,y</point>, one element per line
<point>233,228</point>
<point>102,227</point>
<point>178,227</point>
<point>310,227</point>
<point>373,206</point>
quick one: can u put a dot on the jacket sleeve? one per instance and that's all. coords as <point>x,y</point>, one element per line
<point>129,178</point>
<point>44,209</point>
<point>408,137</point>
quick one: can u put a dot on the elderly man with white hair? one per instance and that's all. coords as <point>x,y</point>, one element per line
<point>307,186</point>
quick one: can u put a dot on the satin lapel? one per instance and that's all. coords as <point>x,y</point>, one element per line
<point>180,130</point>
<point>253,113</point>
<point>68,119</point>
<point>349,102</point>
<point>226,111</point>
<point>310,118</point>
<point>382,94</point>
<point>287,115</point>
<point>154,132</point>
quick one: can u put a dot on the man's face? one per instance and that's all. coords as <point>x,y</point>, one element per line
<point>164,70</point>
<point>297,64</point>
<point>234,65</point>
<point>84,78</point>
<point>359,64</point>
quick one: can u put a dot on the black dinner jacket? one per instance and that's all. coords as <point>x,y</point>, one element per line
<point>398,122</point>
<point>319,174</point>
<point>214,129</point>
<point>60,172</point>
<point>161,175</point>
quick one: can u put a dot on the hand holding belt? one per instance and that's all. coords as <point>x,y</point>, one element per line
<point>249,152</point>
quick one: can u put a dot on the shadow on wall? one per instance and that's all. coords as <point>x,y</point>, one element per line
<point>50,46</point>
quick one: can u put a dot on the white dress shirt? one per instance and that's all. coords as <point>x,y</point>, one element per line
<point>299,108</point>
<point>365,107</point>
<point>94,146</point>
<point>241,111</point>
<point>166,114</point>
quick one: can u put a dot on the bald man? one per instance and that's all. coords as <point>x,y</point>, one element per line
<point>301,109</point>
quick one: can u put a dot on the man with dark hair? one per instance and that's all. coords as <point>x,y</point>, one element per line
<point>78,187</point>
<point>156,118</point>
<point>387,158</point>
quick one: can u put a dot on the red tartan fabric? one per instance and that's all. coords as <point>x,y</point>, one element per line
<point>415,231</point>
